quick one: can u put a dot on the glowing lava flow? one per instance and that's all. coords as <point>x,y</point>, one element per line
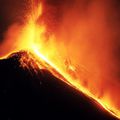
<point>34,39</point>
<point>47,51</point>
<point>68,79</point>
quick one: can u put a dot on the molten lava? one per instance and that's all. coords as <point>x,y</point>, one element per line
<point>33,36</point>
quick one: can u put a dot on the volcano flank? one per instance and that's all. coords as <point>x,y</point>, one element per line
<point>29,90</point>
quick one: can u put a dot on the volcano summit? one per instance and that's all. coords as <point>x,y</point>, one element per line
<point>29,90</point>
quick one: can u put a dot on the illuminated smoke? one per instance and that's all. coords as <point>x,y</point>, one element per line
<point>90,32</point>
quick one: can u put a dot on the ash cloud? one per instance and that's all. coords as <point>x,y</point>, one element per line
<point>90,31</point>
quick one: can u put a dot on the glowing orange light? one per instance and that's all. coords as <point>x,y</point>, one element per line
<point>32,38</point>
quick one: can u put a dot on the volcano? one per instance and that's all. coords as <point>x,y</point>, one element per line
<point>29,90</point>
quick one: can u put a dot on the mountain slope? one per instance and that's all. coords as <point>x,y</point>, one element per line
<point>28,92</point>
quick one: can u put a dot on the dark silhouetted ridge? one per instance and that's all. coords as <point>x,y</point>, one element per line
<point>29,95</point>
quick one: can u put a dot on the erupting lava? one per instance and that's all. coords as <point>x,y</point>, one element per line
<point>34,37</point>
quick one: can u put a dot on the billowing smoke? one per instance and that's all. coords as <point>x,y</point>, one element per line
<point>90,31</point>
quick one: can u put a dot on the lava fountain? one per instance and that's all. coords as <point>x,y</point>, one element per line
<point>33,36</point>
